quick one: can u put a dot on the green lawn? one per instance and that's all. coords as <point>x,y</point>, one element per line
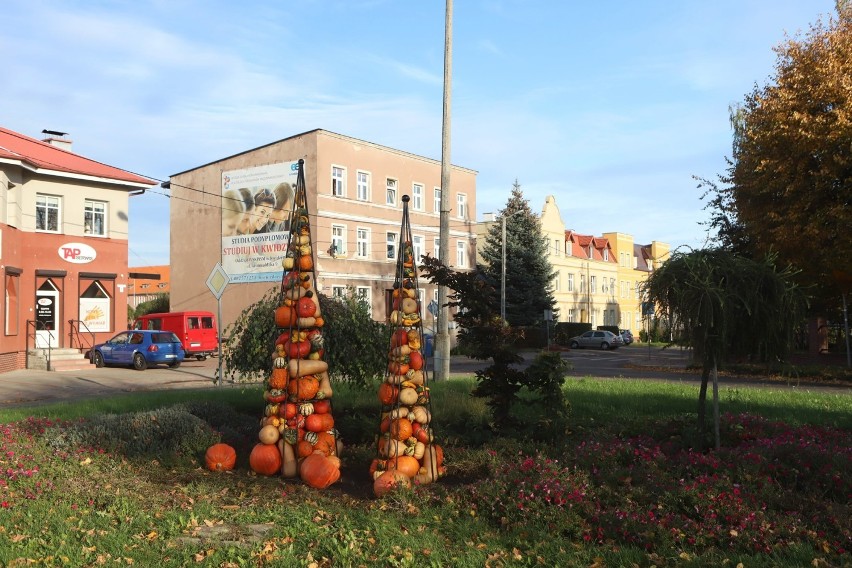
<point>119,481</point>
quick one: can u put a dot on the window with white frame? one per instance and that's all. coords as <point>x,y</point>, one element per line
<point>47,213</point>
<point>362,242</point>
<point>612,287</point>
<point>572,314</point>
<point>417,196</point>
<point>94,218</point>
<point>636,290</point>
<point>571,282</point>
<point>338,291</point>
<point>363,293</point>
<point>461,254</point>
<point>604,287</point>
<point>417,247</point>
<point>391,240</point>
<point>594,317</point>
<point>438,248</point>
<point>556,280</point>
<point>338,240</point>
<point>612,317</point>
<point>582,283</point>
<point>556,247</point>
<point>421,294</point>
<point>568,246</point>
<point>606,254</point>
<point>362,183</point>
<point>390,186</point>
<point>338,181</point>
<point>437,200</point>
<point>593,284</point>
<point>461,201</point>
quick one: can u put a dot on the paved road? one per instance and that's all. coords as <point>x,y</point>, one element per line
<point>30,388</point>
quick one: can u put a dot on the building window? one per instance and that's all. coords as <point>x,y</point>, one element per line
<point>604,289</point>
<point>568,248</point>
<point>625,293</point>
<point>591,251</point>
<point>437,200</point>
<point>13,285</point>
<point>461,200</point>
<point>363,242</point>
<point>572,314</point>
<point>571,282</point>
<point>612,287</point>
<point>363,294</point>
<point>593,284</point>
<point>606,254</point>
<point>417,247</point>
<point>338,292</point>
<point>582,283</point>
<point>438,248</point>
<point>363,186</point>
<point>338,181</point>
<point>417,196</point>
<point>556,281</point>
<point>390,199</point>
<point>636,290</point>
<point>555,247</point>
<point>391,240</point>
<point>94,218</point>
<point>338,240</point>
<point>47,213</point>
<point>461,254</point>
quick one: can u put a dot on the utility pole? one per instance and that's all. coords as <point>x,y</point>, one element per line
<point>442,337</point>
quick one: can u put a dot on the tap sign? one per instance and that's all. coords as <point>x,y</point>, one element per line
<point>77,253</point>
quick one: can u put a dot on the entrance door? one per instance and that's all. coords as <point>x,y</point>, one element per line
<point>47,316</point>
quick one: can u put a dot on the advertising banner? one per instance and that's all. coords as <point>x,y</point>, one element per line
<point>94,312</point>
<point>256,205</point>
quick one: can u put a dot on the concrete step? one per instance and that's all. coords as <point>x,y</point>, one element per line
<point>78,363</point>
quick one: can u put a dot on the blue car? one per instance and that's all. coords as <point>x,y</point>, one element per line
<point>139,348</point>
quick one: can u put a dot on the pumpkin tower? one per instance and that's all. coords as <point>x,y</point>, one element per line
<point>406,448</point>
<point>297,434</point>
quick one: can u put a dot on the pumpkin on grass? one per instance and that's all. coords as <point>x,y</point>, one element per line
<point>220,457</point>
<point>391,480</point>
<point>318,471</point>
<point>408,465</point>
<point>265,459</point>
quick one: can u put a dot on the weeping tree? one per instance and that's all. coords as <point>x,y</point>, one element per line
<point>726,306</point>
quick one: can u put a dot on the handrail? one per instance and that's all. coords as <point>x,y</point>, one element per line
<point>74,326</point>
<point>38,326</point>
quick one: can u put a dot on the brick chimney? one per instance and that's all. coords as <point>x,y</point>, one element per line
<point>58,139</point>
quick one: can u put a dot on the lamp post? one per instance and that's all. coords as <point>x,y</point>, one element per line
<point>503,267</point>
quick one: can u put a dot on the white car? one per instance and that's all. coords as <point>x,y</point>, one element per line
<point>597,338</point>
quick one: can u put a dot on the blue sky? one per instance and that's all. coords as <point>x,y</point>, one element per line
<point>610,106</point>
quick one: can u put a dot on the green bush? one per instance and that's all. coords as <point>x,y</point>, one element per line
<point>565,330</point>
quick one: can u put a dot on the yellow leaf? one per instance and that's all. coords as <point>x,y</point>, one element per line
<point>152,535</point>
<point>734,533</point>
<point>684,556</point>
<point>86,461</point>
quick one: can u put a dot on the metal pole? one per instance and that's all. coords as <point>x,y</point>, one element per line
<point>442,337</point>
<point>846,330</point>
<point>219,325</point>
<point>503,274</point>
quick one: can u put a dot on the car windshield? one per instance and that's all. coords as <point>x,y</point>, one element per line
<point>164,338</point>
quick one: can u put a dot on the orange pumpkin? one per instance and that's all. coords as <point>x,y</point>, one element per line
<point>288,410</point>
<point>304,448</point>
<point>388,393</point>
<point>279,378</point>
<point>390,481</point>
<point>285,316</point>
<point>399,337</point>
<point>415,360</point>
<point>303,388</point>
<point>220,457</point>
<point>306,262</point>
<point>318,471</point>
<point>401,428</point>
<point>322,406</point>
<point>305,306</point>
<point>265,459</point>
<point>326,444</point>
<point>397,368</point>
<point>408,465</point>
<point>319,422</point>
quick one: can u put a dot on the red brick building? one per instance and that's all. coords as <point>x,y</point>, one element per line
<point>63,246</point>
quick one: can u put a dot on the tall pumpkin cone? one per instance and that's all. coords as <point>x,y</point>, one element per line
<point>297,420</point>
<point>406,452</point>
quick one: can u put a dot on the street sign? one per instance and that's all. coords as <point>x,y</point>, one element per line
<point>647,308</point>
<point>433,308</point>
<point>218,280</point>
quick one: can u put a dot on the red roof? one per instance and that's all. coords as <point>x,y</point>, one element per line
<point>38,155</point>
<point>580,246</point>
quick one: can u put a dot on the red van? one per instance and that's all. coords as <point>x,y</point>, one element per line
<point>197,331</point>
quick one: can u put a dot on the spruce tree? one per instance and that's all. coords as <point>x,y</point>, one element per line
<point>529,275</point>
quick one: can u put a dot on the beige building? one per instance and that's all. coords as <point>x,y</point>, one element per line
<point>597,278</point>
<point>354,190</point>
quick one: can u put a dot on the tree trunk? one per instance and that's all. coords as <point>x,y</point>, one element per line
<point>702,404</point>
<point>716,405</point>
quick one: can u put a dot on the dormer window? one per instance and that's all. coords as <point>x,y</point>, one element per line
<point>606,254</point>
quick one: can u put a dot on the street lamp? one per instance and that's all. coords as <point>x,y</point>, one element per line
<point>503,275</point>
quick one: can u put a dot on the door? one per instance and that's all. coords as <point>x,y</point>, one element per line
<point>47,316</point>
<point>117,349</point>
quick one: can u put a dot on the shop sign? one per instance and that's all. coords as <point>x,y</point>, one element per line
<point>77,253</point>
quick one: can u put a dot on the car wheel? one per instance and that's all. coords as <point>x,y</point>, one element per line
<point>174,364</point>
<point>201,357</point>
<point>604,345</point>
<point>575,345</point>
<point>98,359</point>
<point>139,362</point>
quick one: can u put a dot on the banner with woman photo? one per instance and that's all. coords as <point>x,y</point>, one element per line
<point>256,205</point>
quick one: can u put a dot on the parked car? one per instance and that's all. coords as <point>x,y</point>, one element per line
<point>139,348</point>
<point>596,338</point>
<point>627,336</point>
